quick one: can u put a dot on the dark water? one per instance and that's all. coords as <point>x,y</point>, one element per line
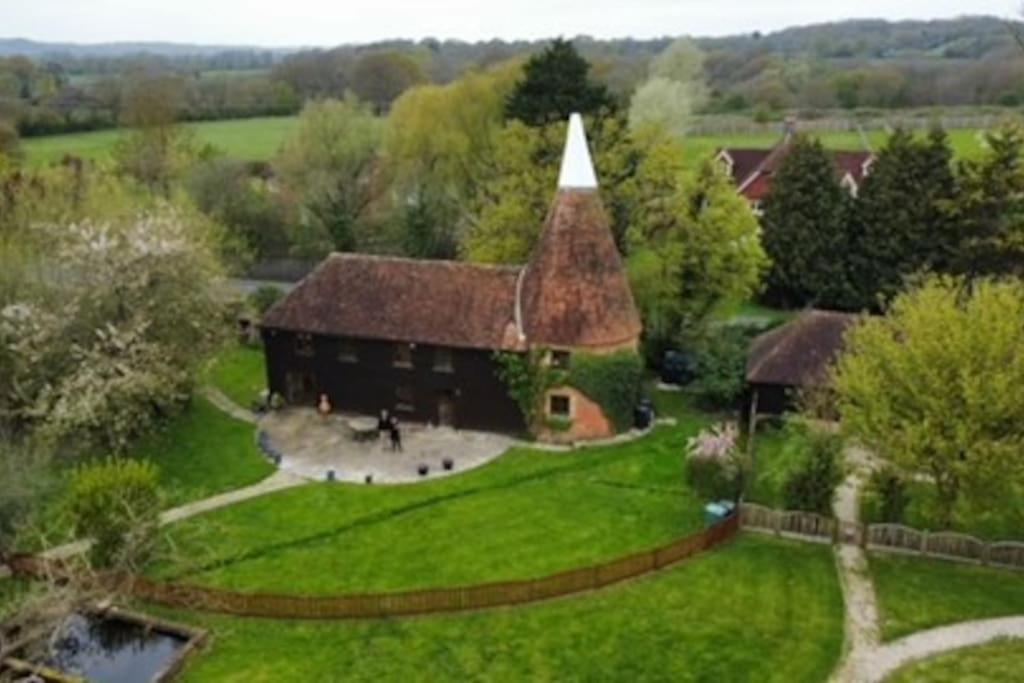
<point>112,650</point>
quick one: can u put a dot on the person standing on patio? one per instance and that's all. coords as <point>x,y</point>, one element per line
<point>383,426</point>
<point>396,435</point>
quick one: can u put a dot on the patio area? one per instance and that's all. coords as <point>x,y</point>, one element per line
<point>312,445</point>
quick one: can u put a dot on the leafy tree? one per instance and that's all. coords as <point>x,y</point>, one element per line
<point>157,149</point>
<point>555,84</point>
<point>264,297</point>
<point>380,77</point>
<point>329,164</point>
<point>811,487</point>
<point>936,386</point>
<point>439,148</point>
<point>10,146</point>
<point>989,208</point>
<point>674,90</point>
<point>226,191</point>
<point>107,317</point>
<point>805,222</point>
<point>693,244</point>
<point>116,503</point>
<point>899,220</point>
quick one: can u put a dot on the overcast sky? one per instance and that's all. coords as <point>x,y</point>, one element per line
<point>330,22</point>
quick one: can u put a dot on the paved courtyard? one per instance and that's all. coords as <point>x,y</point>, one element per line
<point>312,445</point>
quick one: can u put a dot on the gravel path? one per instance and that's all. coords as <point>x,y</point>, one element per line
<point>225,404</point>
<point>924,644</point>
<point>861,620</point>
<point>276,482</point>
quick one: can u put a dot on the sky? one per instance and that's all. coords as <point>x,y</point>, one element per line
<point>332,22</point>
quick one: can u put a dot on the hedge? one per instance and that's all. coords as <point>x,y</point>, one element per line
<point>613,381</point>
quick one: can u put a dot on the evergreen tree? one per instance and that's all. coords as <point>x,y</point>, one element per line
<point>555,84</point>
<point>899,222</point>
<point>989,208</point>
<point>805,225</point>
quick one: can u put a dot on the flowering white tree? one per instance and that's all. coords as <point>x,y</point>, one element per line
<point>109,341</point>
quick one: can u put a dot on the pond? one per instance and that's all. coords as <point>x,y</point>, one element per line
<point>105,649</point>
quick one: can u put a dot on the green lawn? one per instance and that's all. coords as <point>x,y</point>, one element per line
<point>203,452</point>
<point>250,139</point>
<point>239,372</point>
<point>778,452</point>
<point>754,610</point>
<point>999,661</point>
<point>1002,522</point>
<point>916,594</point>
<point>527,514</point>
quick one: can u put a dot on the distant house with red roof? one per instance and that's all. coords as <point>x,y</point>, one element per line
<point>752,169</point>
<point>418,337</point>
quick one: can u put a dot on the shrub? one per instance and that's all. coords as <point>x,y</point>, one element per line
<point>812,486</point>
<point>116,502</point>
<point>721,368</point>
<point>265,297</point>
<point>714,467</point>
<point>613,381</point>
<point>889,492</point>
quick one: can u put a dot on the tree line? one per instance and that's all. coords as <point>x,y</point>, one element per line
<point>916,212</point>
<point>848,65</point>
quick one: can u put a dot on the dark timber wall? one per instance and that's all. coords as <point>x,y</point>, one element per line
<point>470,393</point>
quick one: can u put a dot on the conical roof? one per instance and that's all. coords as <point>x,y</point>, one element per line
<point>574,292</point>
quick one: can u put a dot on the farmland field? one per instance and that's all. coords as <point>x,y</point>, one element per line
<point>259,139</point>
<point>253,139</point>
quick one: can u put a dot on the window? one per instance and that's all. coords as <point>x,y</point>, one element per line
<point>559,405</point>
<point>403,356</point>
<point>404,399</point>
<point>347,351</point>
<point>756,207</point>
<point>443,360</point>
<point>304,345</point>
<point>560,360</point>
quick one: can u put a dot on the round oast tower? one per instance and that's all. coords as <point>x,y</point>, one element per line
<point>574,296</point>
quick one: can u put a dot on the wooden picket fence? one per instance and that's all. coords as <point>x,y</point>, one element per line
<point>406,603</point>
<point>946,545</point>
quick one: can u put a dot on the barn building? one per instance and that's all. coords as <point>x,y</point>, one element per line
<point>418,337</point>
<point>752,169</point>
<point>792,358</point>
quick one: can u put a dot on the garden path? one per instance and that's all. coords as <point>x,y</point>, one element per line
<point>226,405</point>
<point>867,659</point>
<point>276,482</point>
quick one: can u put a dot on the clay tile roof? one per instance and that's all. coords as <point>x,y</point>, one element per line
<point>799,352</point>
<point>752,169</point>
<point>446,303</point>
<point>574,290</point>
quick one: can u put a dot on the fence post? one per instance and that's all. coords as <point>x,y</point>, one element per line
<point>985,550</point>
<point>777,522</point>
<point>924,542</point>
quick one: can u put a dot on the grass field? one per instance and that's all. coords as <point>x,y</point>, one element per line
<point>999,661</point>
<point>203,452</point>
<point>527,514</point>
<point>239,372</point>
<point>754,610</point>
<point>260,138</point>
<point>916,594</point>
<point>250,139</point>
